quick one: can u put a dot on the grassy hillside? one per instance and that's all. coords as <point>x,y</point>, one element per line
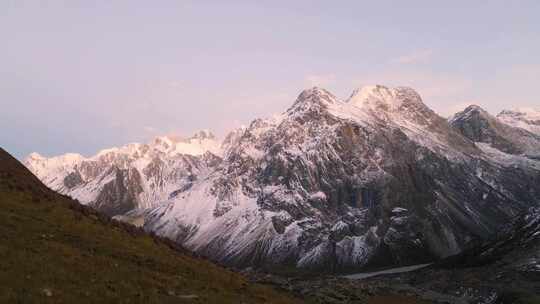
<point>54,250</point>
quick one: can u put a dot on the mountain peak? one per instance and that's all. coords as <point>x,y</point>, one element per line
<point>392,104</point>
<point>172,139</point>
<point>198,144</point>
<point>370,95</point>
<point>474,108</point>
<point>166,141</point>
<point>35,156</point>
<point>203,134</point>
<point>379,97</point>
<point>472,111</point>
<point>314,99</point>
<point>316,94</point>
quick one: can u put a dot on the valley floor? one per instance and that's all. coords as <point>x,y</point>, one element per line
<point>365,275</point>
<point>425,284</point>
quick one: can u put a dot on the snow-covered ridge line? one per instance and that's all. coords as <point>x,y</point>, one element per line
<point>147,171</point>
<point>525,118</point>
<point>198,144</point>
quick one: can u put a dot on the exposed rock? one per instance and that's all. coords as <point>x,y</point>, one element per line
<point>47,292</point>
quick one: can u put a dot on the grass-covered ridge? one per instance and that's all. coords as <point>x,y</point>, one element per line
<point>54,250</point>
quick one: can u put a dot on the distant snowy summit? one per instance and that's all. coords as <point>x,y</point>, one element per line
<point>327,184</point>
<point>525,118</point>
<point>484,129</point>
<point>165,146</point>
<point>132,176</point>
<point>198,144</point>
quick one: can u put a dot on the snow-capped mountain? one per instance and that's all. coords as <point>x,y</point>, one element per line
<point>525,118</point>
<point>329,184</point>
<point>131,177</point>
<point>479,126</point>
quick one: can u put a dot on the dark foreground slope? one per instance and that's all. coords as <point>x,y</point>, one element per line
<point>54,250</point>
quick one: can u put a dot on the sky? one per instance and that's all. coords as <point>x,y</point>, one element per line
<point>81,76</point>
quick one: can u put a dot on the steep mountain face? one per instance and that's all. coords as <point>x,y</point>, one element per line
<point>525,118</point>
<point>338,185</point>
<point>504,269</point>
<point>135,176</point>
<point>516,247</point>
<point>480,127</point>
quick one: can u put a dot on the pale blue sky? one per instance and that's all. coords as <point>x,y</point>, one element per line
<point>82,76</point>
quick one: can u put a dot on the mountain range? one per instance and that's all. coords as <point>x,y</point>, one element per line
<point>378,179</point>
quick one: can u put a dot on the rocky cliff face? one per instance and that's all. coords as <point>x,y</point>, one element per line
<point>329,184</point>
